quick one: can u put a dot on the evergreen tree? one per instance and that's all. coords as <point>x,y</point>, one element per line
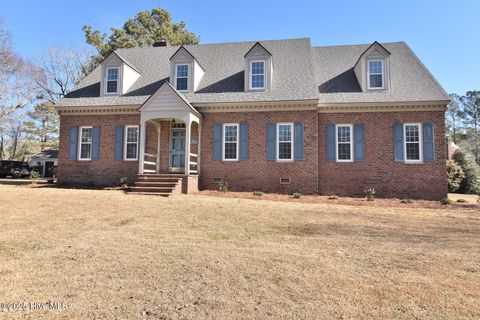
<point>146,28</point>
<point>42,126</point>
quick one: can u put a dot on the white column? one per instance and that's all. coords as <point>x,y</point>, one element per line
<point>199,139</point>
<point>188,123</point>
<point>141,158</point>
<point>159,129</point>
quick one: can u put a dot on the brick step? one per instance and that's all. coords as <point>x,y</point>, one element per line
<point>160,194</point>
<point>148,183</point>
<point>158,178</point>
<point>158,181</point>
<point>152,189</point>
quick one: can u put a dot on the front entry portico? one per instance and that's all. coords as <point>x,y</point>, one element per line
<point>174,125</point>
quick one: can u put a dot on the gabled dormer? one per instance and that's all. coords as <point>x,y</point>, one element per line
<point>373,69</point>
<point>185,71</point>
<point>117,75</point>
<point>258,68</point>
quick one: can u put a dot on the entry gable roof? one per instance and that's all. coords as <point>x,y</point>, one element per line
<point>167,91</point>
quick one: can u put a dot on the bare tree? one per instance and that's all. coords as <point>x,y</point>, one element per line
<point>62,70</point>
<point>17,86</point>
<point>5,47</point>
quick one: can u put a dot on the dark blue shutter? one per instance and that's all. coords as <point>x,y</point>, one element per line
<point>428,145</point>
<point>298,146</point>
<point>358,136</point>
<point>398,141</point>
<point>96,143</point>
<point>271,141</point>
<point>72,149</point>
<point>243,141</point>
<point>118,142</point>
<point>330,142</point>
<point>217,142</point>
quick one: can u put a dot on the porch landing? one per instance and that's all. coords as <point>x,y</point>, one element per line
<point>165,184</point>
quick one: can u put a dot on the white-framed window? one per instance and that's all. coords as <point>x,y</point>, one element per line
<point>181,77</point>
<point>111,78</point>
<point>343,139</point>
<point>257,75</point>
<point>413,142</point>
<point>85,145</point>
<point>131,143</point>
<point>375,74</point>
<point>230,141</point>
<point>285,141</point>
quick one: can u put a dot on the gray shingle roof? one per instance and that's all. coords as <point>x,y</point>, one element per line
<point>300,72</point>
<point>337,83</point>
<point>46,154</point>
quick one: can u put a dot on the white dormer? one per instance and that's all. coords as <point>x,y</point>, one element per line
<point>258,69</point>
<point>373,69</point>
<point>185,71</point>
<point>117,75</point>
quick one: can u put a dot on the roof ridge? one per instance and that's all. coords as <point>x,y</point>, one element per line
<point>358,44</point>
<point>218,43</point>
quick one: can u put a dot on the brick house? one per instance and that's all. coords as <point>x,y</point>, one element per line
<point>277,116</point>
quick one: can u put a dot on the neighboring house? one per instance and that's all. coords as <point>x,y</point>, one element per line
<point>46,160</point>
<point>276,116</point>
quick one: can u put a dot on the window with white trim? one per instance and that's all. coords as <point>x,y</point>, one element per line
<point>112,80</point>
<point>131,143</point>
<point>181,77</point>
<point>230,141</point>
<point>343,138</point>
<point>85,145</point>
<point>284,141</point>
<point>413,142</point>
<point>257,75</point>
<point>375,74</point>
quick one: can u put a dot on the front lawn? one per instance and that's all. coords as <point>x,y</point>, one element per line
<point>109,255</point>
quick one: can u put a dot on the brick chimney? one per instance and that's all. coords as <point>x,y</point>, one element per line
<point>161,43</point>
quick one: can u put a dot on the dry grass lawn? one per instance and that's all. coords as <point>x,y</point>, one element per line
<point>108,255</point>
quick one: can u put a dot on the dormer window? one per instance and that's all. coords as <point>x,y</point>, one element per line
<point>112,80</point>
<point>181,77</point>
<point>258,69</point>
<point>257,75</point>
<point>375,74</point>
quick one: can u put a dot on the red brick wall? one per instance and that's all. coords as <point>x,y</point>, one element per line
<point>107,170</point>
<point>312,175</point>
<point>379,170</point>
<point>257,173</point>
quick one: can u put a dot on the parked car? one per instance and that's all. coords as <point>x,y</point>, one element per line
<point>15,169</point>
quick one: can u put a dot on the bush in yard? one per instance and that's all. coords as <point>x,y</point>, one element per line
<point>461,201</point>
<point>369,194</point>
<point>455,175</point>
<point>406,201</point>
<point>446,201</point>
<point>34,175</point>
<point>471,182</point>
<point>334,197</point>
<point>297,195</point>
<point>223,186</point>
<point>258,193</point>
<point>123,182</point>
